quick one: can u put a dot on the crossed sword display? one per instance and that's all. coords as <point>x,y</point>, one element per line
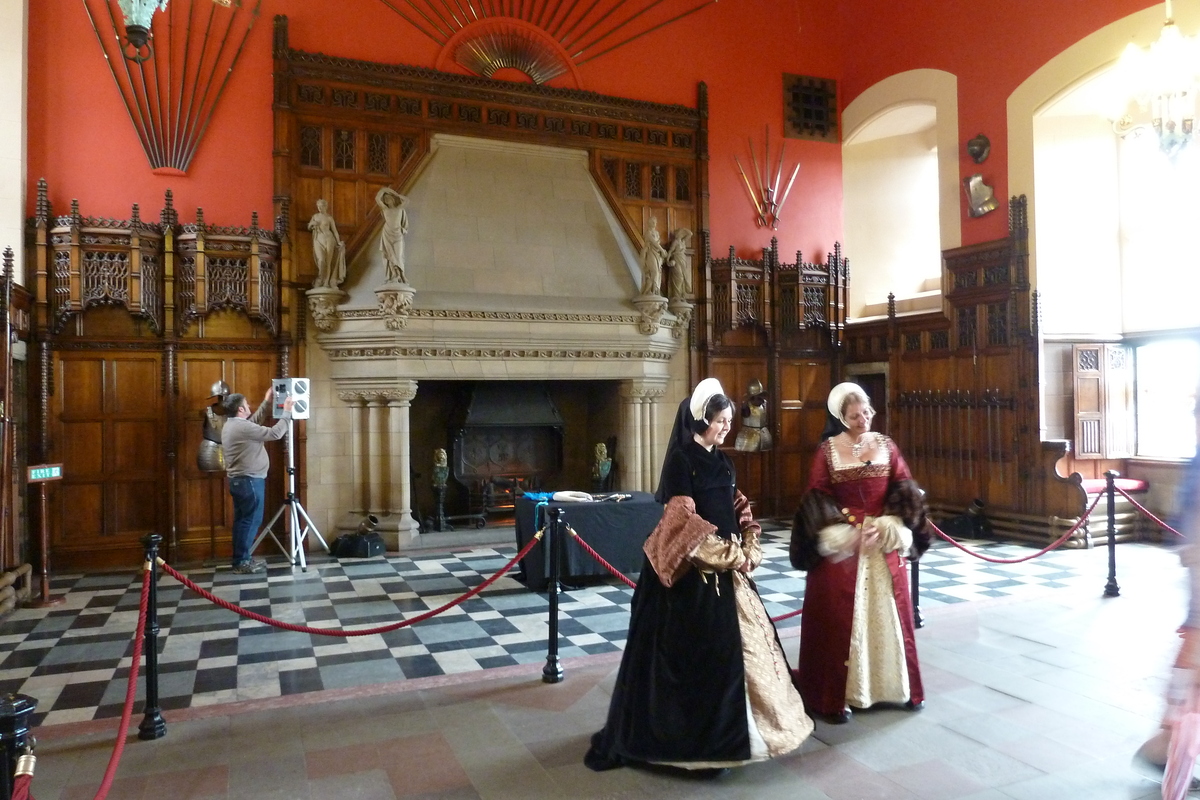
<point>768,202</point>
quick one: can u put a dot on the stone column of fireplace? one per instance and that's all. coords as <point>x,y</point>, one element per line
<point>381,478</point>
<point>629,472</point>
<point>358,424</point>
<point>377,460</point>
<point>639,447</point>
<point>399,430</point>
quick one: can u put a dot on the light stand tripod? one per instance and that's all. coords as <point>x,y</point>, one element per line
<point>291,504</point>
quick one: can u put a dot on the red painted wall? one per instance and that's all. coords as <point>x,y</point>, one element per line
<point>991,47</point>
<point>83,142</point>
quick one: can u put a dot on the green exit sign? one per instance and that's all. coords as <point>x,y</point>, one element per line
<point>45,472</point>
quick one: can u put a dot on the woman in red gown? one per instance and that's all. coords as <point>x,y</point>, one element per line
<point>861,516</point>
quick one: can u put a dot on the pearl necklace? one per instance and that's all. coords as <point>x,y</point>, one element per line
<point>856,448</point>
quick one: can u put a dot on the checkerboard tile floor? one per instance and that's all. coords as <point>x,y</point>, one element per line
<point>74,658</point>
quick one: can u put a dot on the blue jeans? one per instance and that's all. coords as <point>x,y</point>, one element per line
<point>249,495</point>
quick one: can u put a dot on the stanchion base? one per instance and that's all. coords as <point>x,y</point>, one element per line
<point>153,726</point>
<point>552,672</point>
<point>1112,590</point>
<point>918,620</point>
<point>47,603</point>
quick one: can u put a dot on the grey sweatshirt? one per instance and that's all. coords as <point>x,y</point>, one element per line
<point>242,441</point>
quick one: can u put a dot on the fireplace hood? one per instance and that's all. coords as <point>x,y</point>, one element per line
<point>506,404</point>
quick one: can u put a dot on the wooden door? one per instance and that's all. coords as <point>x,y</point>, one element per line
<point>204,510</point>
<point>107,427</point>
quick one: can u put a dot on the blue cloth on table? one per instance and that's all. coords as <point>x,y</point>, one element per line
<point>543,500</point>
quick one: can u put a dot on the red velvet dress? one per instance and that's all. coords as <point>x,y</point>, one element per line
<point>829,597</point>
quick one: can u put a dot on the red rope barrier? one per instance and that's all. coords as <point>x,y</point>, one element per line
<point>130,690</point>
<point>287,626</point>
<point>1043,551</point>
<point>21,788</point>
<point>587,548</point>
<point>788,615</point>
<point>1147,512</point>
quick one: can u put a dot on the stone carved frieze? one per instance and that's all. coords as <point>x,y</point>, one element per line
<point>640,390</point>
<point>402,394</point>
<point>476,353</point>
<point>520,316</point>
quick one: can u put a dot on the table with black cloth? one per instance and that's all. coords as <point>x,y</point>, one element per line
<point>615,530</point>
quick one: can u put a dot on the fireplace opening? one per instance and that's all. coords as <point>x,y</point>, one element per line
<point>506,437</point>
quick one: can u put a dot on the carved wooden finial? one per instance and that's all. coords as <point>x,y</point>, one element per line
<point>135,217</point>
<point>254,221</point>
<point>285,212</point>
<point>280,43</point>
<point>43,202</point>
<point>1035,316</point>
<point>169,218</point>
<point>199,216</point>
<point>891,305</point>
<point>8,262</point>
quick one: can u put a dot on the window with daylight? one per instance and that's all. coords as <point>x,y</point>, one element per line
<point>1168,373</point>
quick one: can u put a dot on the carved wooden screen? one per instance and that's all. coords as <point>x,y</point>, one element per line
<point>962,398</point>
<point>782,324</point>
<point>121,308</point>
<point>346,128</point>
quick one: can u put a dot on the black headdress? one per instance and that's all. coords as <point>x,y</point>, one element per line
<point>689,420</point>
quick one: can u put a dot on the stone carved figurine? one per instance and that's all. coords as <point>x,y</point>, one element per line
<point>392,205</point>
<point>653,256</point>
<point>329,251</point>
<point>680,265</point>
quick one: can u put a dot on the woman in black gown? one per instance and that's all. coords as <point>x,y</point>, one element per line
<point>703,682</point>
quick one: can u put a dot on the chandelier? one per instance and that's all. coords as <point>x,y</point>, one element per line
<point>1163,79</point>
<point>138,15</point>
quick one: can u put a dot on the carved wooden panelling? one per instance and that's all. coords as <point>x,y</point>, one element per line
<point>377,153</point>
<point>633,180</point>
<point>961,385</point>
<point>107,430</point>
<point>310,147</point>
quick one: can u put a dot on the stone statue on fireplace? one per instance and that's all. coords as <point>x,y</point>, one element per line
<point>653,256</point>
<point>329,251</point>
<point>680,265</point>
<point>392,205</point>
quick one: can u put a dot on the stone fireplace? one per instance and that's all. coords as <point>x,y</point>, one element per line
<point>520,272</point>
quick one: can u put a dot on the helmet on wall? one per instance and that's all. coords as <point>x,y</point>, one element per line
<point>219,389</point>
